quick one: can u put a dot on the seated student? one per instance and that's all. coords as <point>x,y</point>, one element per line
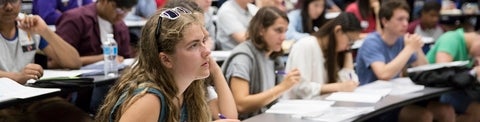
<point>275,3</point>
<point>22,37</point>
<point>219,96</point>
<point>320,58</point>
<point>306,20</point>
<point>383,56</point>
<point>143,10</point>
<point>86,27</point>
<point>208,14</point>
<point>458,45</point>
<point>250,69</point>
<point>51,10</point>
<point>233,18</point>
<point>166,84</point>
<point>427,25</point>
<point>367,12</point>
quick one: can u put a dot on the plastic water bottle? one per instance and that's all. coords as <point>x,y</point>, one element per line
<point>110,52</point>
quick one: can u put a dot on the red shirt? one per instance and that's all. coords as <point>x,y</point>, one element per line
<point>353,8</point>
<point>79,28</point>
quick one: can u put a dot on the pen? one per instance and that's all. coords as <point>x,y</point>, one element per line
<point>221,116</point>
<point>350,75</point>
<point>280,72</point>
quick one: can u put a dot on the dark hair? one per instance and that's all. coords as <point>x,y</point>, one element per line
<point>387,8</point>
<point>365,8</point>
<point>264,18</point>
<point>188,4</point>
<point>431,5</point>
<point>125,3</point>
<point>334,60</point>
<point>309,24</point>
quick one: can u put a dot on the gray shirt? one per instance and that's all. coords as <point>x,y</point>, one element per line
<point>16,53</point>
<point>253,66</point>
<point>232,19</point>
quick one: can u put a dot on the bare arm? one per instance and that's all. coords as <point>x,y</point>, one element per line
<point>57,49</point>
<point>387,71</point>
<point>421,59</point>
<point>30,71</point>
<point>145,109</point>
<point>442,57</point>
<point>247,103</point>
<point>348,63</point>
<point>239,36</point>
<point>224,104</point>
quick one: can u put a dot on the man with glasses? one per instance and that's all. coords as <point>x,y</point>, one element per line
<point>51,10</point>
<point>21,36</point>
<point>85,28</point>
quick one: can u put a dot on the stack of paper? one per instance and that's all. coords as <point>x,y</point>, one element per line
<point>354,97</point>
<point>10,89</point>
<point>397,86</point>
<point>342,114</point>
<point>300,107</point>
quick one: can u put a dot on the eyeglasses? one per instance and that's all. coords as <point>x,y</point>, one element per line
<point>4,2</point>
<point>351,40</point>
<point>171,14</point>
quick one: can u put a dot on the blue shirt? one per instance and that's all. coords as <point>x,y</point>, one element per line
<point>295,27</point>
<point>374,49</point>
<point>51,10</point>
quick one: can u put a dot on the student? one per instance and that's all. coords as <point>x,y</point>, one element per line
<point>51,10</point>
<point>367,12</point>
<point>250,69</point>
<point>306,20</point>
<point>219,96</point>
<point>427,25</point>
<point>142,11</point>
<point>320,58</point>
<point>383,56</point>
<point>86,27</point>
<point>166,84</point>
<point>275,3</point>
<point>458,45</point>
<point>233,18</point>
<point>208,15</point>
<point>20,39</point>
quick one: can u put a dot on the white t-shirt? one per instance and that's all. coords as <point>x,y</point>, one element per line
<point>307,56</point>
<point>105,28</point>
<point>16,53</point>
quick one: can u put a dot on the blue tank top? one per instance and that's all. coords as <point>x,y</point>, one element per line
<point>164,109</point>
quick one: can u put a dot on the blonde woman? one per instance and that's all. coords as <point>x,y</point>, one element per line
<point>166,84</point>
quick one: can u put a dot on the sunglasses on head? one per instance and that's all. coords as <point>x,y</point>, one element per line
<point>171,14</point>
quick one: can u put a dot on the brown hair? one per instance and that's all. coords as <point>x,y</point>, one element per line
<point>335,60</point>
<point>264,18</point>
<point>387,8</point>
<point>150,71</point>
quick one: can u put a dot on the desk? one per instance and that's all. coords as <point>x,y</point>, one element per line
<point>13,102</point>
<point>386,104</point>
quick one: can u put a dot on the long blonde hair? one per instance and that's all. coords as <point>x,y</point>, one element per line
<point>150,71</point>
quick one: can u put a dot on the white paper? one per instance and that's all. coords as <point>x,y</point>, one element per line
<point>63,73</point>
<point>331,15</point>
<point>300,107</point>
<point>139,23</point>
<point>354,97</point>
<point>357,44</point>
<point>342,114</point>
<point>437,66</point>
<point>220,55</point>
<point>10,89</point>
<point>398,86</point>
<point>427,40</point>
